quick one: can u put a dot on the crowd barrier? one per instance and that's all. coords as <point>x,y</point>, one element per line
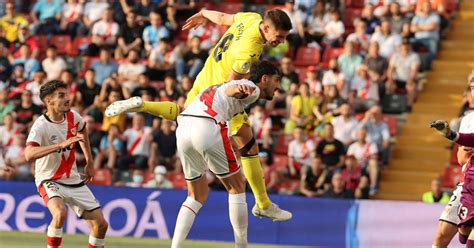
<point>139,212</point>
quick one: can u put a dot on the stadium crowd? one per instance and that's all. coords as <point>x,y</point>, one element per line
<point>349,68</point>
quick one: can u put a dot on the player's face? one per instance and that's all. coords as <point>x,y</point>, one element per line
<point>273,36</point>
<point>471,87</point>
<point>271,85</point>
<point>60,101</point>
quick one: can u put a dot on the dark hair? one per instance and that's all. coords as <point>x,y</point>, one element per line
<point>50,87</point>
<point>261,68</point>
<point>53,47</point>
<point>279,18</point>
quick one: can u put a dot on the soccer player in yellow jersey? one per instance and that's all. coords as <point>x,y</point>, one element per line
<point>240,46</point>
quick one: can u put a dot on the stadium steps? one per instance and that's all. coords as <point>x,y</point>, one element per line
<point>420,154</point>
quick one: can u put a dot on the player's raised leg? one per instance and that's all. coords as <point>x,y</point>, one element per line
<point>243,137</point>
<point>55,229</point>
<point>167,110</point>
<point>197,195</point>
<point>98,226</point>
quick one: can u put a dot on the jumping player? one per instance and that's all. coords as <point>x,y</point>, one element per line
<point>202,139</point>
<point>52,143</point>
<point>449,218</point>
<point>241,45</point>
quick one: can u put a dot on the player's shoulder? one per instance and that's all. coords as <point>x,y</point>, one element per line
<point>246,17</point>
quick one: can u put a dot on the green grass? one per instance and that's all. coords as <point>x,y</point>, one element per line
<point>38,240</point>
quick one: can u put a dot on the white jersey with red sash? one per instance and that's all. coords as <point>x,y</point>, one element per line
<point>8,135</point>
<point>59,166</point>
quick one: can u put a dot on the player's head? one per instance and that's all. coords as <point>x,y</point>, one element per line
<point>54,95</point>
<point>275,27</point>
<point>267,77</point>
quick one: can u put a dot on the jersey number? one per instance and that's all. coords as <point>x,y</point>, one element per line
<point>222,47</point>
<point>207,97</point>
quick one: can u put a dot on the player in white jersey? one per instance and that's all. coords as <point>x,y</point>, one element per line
<point>449,219</point>
<point>51,144</point>
<point>203,142</point>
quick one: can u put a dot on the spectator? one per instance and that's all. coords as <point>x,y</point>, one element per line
<point>104,67</point>
<point>348,63</point>
<point>49,13</point>
<point>11,22</point>
<point>138,176</point>
<point>364,90</point>
<point>261,126</point>
<point>338,190</point>
<point>113,95</point>
<point>153,33</point>
<point>316,23</point>
<point>351,173</point>
<point>159,179</point>
<point>111,147</point>
<point>144,87</point>
<point>380,7</point>
<point>209,35</point>
<point>436,194</point>
<point>128,72</point>
<point>26,112</point>
<point>17,83</point>
<point>68,78</point>
<point>289,75</point>
<point>360,38</point>
<point>31,65</point>
<point>34,86</point>
<point>164,145</point>
<point>138,139</point>
<point>5,66</point>
<point>426,25</point>
<point>315,86</point>
<point>143,8</point>
<point>88,90</point>
<point>305,6</point>
<point>403,72</point>
<point>270,172</point>
<point>330,150</point>
<point>192,61</point>
<point>93,10</point>
<point>71,19</point>
<point>438,7</point>
<point>369,18</point>
<point>315,179</point>
<point>161,60</point>
<point>26,37</point>
<point>104,33</point>
<point>366,154</point>
<point>15,157</point>
<point>334,30</point>
<point>297,18</point>
<point>8,131</point>
<point>300,152</point>
<point>334,77</point>
<point>407,7</point>
<point>377,131</point>
<point>171,15</point>
<point>344,125</point>
<point>52,64</point>
<point>95,134</point>
<point>329,105</point>
<point>376,64</point>
<point>185,86</point>
<point>112,84</point>
<point>130,37</point>
<point>169,92</point>
<point>6,107</point>
<point>398,21</point>
<point>301,110</point>
<point>388,41</point>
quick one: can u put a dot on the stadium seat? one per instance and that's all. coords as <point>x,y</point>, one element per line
<point>177,179</point>
<point>330,53</point>
<point>79,43</point>
<point>350,15</point>
<point>63,43</point>
<point>392,124</point>
<point>301,70</point>
<point>451,5</point>
<point>102,177</point>
<point>148,176</point>
<point>42,42</point>
<point>282,144</point>
<point>355,3</point>
<point>230,8</point>
<point>307,56</point>
<point>289,186</point>
<point>453,160</point>
<point>280,161</point>
<point>451,176</point>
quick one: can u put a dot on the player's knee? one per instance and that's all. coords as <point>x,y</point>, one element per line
<point>249,149</point>
<point>201,197</point>
<point>102,226</point>
<point>60,215</point>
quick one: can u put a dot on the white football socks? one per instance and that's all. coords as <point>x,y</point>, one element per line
<point>185,220</point>
<point>238,214</point>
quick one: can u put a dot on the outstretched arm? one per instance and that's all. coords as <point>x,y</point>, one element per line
<point>464,139</point>
<point>239,91</point>
<point>201,18</point>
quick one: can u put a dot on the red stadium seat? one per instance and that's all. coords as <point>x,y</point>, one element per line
<point>42,42</point>
<point>177,179</point>
<point>102,177</point>
<point>331,53</point>
<point>148,176</point>
<point>289,186</point>
<point>231,8</point>
<point>307,56</point>
<point>451,5</point>
<point>63,43</point>
<point>280,161</point>
<point>301,72</point>
<point>355,3</point>
<point>79,43</point>
<point>350,15</point>
<point>282,144</point>
<point>451,176</point>
<point>392,124</point>
<point>454,155</point>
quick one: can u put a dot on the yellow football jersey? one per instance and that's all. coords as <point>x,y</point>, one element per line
<point>240,46</point>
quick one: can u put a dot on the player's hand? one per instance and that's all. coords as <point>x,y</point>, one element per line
<point>195,21</point>
<point>70,141</point>
<point>88,173</point>
<point>443,128</point>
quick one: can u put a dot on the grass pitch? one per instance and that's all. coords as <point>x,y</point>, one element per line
<point>38,240</point>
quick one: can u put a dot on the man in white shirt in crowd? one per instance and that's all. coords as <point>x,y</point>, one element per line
<point>52,64</point>
<point>345,125</point>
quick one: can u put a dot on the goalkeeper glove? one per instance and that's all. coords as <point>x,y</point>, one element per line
<point>443,128</point>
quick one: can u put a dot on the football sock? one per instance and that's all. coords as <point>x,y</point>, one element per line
<point>167,110</point>
<point>95,242</point>
<point>185,220</point>
<point>254,174</point>
<point>462,238</point>
<point>54,237</point>
<point>470,243</point>
<point>239,218</point>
